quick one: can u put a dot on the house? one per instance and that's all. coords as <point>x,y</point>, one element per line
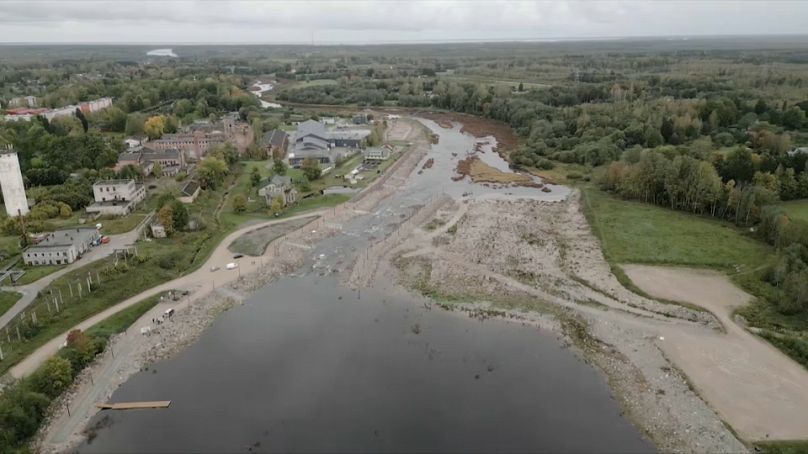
<point>189,192</point>
<point>313,140</point>
<point>116,197</point>
<point>279,186</point>
<point>275,143</point>
<point>158,231</point>
<point>360,119</point>
<point>172,161</point>
<point>378,153</point>
<point>61,247</point>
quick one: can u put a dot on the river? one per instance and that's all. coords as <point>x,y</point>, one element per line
<point>308,365</point>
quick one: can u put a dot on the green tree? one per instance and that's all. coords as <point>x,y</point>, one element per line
<point>157,170</point>
<point>239,203</point>
<point>255,176</point>
<point>278,167</point>
<point>211,172</point>
<point>311,169</point>
<point>277,205</point>
<point>179,215</point>
<point>84,123</point>
<point>53,377</point>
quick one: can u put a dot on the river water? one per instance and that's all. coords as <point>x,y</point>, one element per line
<point>307,365</point>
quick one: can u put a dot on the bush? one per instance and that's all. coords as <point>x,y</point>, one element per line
<point>574,176</point>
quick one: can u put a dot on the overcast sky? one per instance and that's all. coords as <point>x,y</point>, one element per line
<point>368,21</point>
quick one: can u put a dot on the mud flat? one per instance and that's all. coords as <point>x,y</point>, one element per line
<point>520,260</point>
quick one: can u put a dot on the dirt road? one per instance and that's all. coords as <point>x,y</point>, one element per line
<point>754,386</point>
<point>202,278</point>
<point>31,290</point>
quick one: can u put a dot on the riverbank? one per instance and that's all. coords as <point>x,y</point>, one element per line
<point>523,260</point>
<point>134,351</point>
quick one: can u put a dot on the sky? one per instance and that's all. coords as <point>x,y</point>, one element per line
<point>386,21</point>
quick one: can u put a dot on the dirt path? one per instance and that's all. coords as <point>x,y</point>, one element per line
<point>761,392</point>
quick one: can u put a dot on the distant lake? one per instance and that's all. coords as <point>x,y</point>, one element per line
<point>162,53</point>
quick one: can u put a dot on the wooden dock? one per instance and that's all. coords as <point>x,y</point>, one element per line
<point>134,405</point>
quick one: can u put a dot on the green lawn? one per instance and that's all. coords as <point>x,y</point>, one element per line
<point>797,209</point>
<point>121,224</point>
<point>123,319</point>
<point>7,299</point>
<point>635,232</point>
<point>34,273</point>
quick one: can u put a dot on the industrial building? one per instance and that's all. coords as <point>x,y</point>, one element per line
<point>11,183</point>
<point>61,247</point>
<point>116,197</point>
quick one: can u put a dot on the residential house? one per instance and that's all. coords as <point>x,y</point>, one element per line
<point>116,197</point>
<point>61,247</point>
<point>189,192</point>
<point>279,186</point>
<point>275,143</point>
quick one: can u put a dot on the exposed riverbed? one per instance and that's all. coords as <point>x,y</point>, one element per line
<point>306,364</point>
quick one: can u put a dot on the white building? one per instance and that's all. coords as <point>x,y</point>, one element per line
<point>116,197</point>
<point>378,153</point>
<point>11,183</point>
<point>61,247</point>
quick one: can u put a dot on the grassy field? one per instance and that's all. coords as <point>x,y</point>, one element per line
<point>797,209</point>
<point>567,174</point>
<point>121,224</point>
<point>119,322</point>
<point>34,273</point>
<point>634,232</point>
<point>7,299</point>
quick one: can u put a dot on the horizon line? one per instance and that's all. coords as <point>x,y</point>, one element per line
<point>426,41</point>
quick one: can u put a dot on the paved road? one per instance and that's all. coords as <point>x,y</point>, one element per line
<point>202,279</point>
<point>29,291</point>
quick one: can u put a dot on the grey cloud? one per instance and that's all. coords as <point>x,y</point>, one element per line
<point>387,20</point>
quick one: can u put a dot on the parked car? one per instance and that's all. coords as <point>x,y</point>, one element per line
<point>231,266</point>
<point>238,256</point>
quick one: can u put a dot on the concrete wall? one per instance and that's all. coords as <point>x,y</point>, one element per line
<point>12,185</point>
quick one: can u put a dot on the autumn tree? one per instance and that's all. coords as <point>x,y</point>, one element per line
<point>154,127</point>
<point>166,218</point>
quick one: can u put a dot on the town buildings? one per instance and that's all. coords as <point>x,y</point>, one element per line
<point>197,139</point>
<point>27,113</point>
<point>171,161</point>
<point>275,143</point>
<point>61,247</point>
<point>313,140</point>
<point>116,197</point>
